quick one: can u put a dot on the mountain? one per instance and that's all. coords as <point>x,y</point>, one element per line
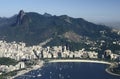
<point>33,28</point>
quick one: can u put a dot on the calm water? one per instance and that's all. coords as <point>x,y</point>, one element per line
<point>70,71</point>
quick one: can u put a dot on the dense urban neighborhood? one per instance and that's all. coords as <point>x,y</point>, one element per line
<point>21,53</point>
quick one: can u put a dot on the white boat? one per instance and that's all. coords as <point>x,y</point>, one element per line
<point>39,75</point>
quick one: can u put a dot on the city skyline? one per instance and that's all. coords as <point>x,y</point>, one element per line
<point>91,10</point>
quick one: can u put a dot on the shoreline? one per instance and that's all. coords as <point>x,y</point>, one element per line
<point>35,67</point>
<point>78,60</point>
<point>22,72</point>
<point>107,70</point>
<point>86,61</point>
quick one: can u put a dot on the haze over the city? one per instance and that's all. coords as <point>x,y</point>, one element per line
<point>98,11</point>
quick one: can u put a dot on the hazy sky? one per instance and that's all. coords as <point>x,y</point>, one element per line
<point>91,10</point>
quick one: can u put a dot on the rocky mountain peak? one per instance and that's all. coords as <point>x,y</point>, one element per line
<point>20,17</point>
<point>21,13</point>
<point>77,33</point>
<point>47,14</point>
<point>66,18</point>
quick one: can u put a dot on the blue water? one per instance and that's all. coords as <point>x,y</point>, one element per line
<point>70,71</point>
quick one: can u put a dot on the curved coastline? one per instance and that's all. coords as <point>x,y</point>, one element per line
<point>34,67</point>
<point>77,60</point>
<point>107,70</point>
<point>86,61</point>
<point>65,60</point>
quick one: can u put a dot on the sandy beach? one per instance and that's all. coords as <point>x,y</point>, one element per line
<point>87,61</point>
<point>34,67</point>
<point>77,60</point>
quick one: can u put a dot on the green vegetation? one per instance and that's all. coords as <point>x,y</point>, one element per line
<point>36,28</point>
<point>115,70</point>
<point>9,74</point>
<point>6,75</point>
<point>7,61</point>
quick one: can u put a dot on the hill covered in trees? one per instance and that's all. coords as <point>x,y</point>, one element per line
<point>76,33</point>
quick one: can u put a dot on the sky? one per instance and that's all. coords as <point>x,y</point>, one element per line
<point>91,10</point>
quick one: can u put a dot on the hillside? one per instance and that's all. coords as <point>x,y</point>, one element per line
<point>33,28</point>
